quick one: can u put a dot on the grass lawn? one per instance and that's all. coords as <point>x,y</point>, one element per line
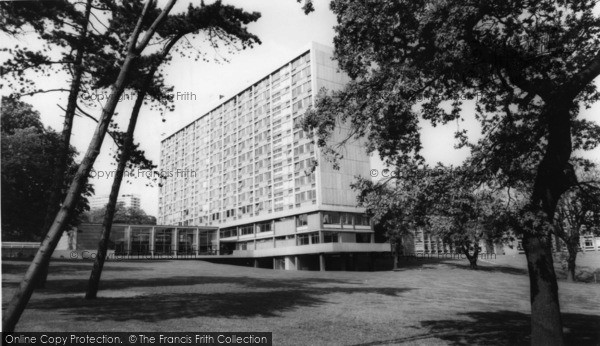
<point>422,303</point>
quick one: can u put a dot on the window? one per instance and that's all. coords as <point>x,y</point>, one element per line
<point>300,197</point>
<point>330,237</point>
<point>314,238</point>
<point>331,218</point>
<point>298,135</point>
<point>362,220</point>
<point>228,232</point>
<point>302,239</point>
<point>301,220</point>
<point>264,227</point>
<point>363,237</point>
<point>245,230</point>
<point>346,219</point>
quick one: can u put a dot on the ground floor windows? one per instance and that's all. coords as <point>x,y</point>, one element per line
<point>117,240</point>
<point>186,242</point>
<point>140,241</point>
<point>588,243</point>
<point>163,241</point>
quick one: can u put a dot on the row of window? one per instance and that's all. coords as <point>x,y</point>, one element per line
<point>335,218</point>
<point>246,230</point>
<point>313,238</point>
<point>301,104</point>
<point>304,196</point>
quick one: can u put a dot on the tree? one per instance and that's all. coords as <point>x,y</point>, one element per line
<point>221,23</point>
<point>27,165</point>
<point>136,45</point>
<point>578,212</point>
<point>528,67</point>
<point>398,206</point>
<point>463,214</point>
<point>54,23</point>
<point>126,215</point>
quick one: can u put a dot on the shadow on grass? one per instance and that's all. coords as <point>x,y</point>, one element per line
<point>61,267</point>
<point>54,286</point>
<point>502,328</point>
<point>160,307</point>
<point>490,268</point>
<point>413,262</point>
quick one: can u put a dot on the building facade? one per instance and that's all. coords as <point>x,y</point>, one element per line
<point>126,200</point>
<point>248,169</point>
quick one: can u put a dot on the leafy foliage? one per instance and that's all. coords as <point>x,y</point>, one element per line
<point>464,215</point>
<point>126,215</point>
<point>441,201</point>
<point>419,60</point>
<point>579,208</point>
<point>28,152</point>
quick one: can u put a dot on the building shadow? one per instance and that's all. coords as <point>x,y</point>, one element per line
<point>160,307</point>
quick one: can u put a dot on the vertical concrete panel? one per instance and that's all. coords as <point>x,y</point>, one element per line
<point>175,241</point>
<point>152,240</point>
<point>322,262</point>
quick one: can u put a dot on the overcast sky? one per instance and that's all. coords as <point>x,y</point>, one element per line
<point>284,30</point>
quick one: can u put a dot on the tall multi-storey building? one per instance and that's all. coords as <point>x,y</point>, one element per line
<point>248,169</point>
<point>126,200</point>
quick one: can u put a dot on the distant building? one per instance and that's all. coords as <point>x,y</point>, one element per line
<point>126,200</point>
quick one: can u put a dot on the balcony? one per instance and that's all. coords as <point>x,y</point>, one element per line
<point>314,249</point>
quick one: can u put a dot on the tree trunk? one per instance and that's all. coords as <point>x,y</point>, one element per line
<point>396,246</point>
<point>546,323</point>
<point>472,258</point>
<point>94,281</point>
<point>473,261</point>
<point>572,247</point>
<point>60,165</point>
<point>554,176</point>
<point>23,293</point>
<point>109,214</point>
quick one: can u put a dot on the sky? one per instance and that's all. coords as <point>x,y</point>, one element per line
<point>284,30</point>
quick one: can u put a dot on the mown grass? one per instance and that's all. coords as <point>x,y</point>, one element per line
<point>422,303</point>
